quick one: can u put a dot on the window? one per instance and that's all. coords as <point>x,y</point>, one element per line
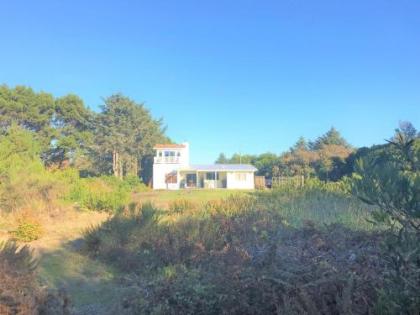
<point>240,177</point>
<point>160,153</point>
<point>171,178</point>
<point>211,176</point>
<point>169,153</point>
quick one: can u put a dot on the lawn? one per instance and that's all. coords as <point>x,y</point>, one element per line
<point>162,198</point>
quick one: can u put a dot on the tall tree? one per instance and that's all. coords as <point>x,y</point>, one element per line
<point>331,137</point>
<point>126,134</point>
<point>31,111</point>
<point>74,125</point>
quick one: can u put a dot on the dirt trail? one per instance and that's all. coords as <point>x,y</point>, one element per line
<point>90,284</point>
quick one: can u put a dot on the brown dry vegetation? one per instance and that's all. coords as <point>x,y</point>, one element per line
<point>239,256</point>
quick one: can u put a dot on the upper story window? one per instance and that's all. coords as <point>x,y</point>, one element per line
<point>169,153</point>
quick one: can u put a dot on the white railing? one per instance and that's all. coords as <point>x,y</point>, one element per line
<point>166,160</point>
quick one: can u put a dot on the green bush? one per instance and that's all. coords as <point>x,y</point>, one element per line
<point>28,231</point>
<point>101,194</point>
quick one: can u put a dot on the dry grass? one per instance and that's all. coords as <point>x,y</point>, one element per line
<point>163,198</point>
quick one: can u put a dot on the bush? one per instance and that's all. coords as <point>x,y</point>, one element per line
<point>19,290</point>
<point>389,178</point>
<point>105,193</point>
<point>28,230</point>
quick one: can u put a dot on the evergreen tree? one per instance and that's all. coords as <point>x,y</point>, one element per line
<point>331,137</point>
<point>125,134</point>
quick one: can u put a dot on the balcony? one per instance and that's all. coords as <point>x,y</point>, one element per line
<point>167,160</point>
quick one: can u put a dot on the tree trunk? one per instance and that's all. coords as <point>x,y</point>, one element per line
<point>117,166</point>
<point>135,166</point>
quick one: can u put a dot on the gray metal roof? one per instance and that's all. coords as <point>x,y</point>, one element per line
<point>222,167</point>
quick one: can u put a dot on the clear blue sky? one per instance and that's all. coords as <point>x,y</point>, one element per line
<point>227,76</point>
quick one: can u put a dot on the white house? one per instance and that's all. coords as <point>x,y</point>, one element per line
<point>172,170</point>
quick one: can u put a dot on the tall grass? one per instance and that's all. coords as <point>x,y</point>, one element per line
<point>319,205</point>
<point>242,255</point>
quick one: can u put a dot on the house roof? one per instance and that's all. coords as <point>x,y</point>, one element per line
<point>222,167</point>
<point>169,146</point>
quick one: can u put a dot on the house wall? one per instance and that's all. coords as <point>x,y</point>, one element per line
<point>160,168</point>
<point>235,183</point>
<point>159,175</point>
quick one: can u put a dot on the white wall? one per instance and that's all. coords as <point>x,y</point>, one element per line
<point>159,176</point>
<point>161,169</point>
<point>234,183</point>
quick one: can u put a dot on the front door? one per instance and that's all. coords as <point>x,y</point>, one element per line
<point>191,180</point>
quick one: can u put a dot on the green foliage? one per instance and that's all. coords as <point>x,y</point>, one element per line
<point>28,231</point>
<point>118,140</point>
<point>23,178</point>
<point>105,193</point>
<point>390,179</point>
<point>325,159</point>
<point>30,110</point>
<point>125,135</point>
<point>331,137</point>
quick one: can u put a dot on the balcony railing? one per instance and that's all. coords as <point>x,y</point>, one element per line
<point>166,160</point>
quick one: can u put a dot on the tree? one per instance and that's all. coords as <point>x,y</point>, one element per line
<point>125,134</point>
<point>331,137</point>
<point>31,111</point>
<point>222,159</point>
<point>74,126</point>
<point>301,144</point>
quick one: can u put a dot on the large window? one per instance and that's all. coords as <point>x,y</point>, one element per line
<point>240,177</point>
<point>212,176</point>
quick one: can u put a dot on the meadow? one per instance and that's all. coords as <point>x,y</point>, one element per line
<point>73,244</point>
<point>175,238</point>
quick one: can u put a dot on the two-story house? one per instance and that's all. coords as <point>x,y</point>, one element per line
<point>172,170</point>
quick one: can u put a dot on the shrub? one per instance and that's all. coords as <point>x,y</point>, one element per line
<point>105,193</point>
<point>19,290</point>
<point>28,230</point>
<point>390,179</point>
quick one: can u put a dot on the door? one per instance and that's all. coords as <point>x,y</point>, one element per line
<point>191,180</point>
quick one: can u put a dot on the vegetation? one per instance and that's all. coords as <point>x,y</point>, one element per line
<point>390,179</point>
<point>325,158</point>
<point>242,256</point>
<point>20,292</point>
<point>347,242</point>
<point>119,140</point>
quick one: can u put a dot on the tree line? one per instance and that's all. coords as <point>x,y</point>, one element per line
<point>329,157</point>
<point>117,140</point>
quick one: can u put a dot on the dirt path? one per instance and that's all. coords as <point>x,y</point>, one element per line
<point>90,285</point>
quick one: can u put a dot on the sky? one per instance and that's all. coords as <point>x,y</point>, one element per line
<point>227,76</point>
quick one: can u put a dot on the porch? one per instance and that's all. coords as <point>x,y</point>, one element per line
<point>203,179</point>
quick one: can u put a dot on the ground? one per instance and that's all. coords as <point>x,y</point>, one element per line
<point>91,285</point>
